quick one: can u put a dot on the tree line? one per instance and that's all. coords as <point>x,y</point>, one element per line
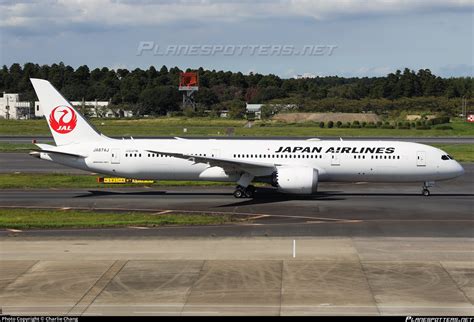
<point>155,92</point>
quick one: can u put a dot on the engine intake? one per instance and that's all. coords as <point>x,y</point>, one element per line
<point>296,180</point>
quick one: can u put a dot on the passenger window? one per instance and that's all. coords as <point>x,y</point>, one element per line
<point>444,157</point>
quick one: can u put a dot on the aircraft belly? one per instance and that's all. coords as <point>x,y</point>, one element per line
<point>389,173</point>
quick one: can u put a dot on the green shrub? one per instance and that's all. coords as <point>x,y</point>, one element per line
<point>444,127</point>
<point>387,126</point>
<point>321,124</point>
<point>423,127</point>
<point>330,124</point>
<point>440,120</point>
<point>379,124</point>
<point>371,125</point>
<point>338,124</point>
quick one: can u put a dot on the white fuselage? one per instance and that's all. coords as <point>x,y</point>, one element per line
<point>335,160</point>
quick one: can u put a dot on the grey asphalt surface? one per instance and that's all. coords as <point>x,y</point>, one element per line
<point>454,140</point>
<point>356,209</point>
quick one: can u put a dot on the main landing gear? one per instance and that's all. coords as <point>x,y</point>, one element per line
<point>242,192</point>
<point>426,192</point>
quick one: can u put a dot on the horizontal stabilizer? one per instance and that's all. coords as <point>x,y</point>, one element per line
<point>46,148</point>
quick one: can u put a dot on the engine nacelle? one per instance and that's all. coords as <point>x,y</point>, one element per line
<point>296,180</point>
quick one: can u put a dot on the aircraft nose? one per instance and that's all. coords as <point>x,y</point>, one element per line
<point>459,170</point>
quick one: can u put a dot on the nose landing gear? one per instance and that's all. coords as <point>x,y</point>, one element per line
<point>425,192</point>
<point>242,192</point>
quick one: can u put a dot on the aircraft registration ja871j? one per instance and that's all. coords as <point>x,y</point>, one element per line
<point>294,166</point>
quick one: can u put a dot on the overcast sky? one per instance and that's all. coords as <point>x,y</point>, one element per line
<point>366,38</point>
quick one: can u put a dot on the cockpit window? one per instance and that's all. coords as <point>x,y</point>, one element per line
<point>450,157</point>
<point>444,157</point>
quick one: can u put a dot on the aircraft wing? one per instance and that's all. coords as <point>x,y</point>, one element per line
<point>231,164</point>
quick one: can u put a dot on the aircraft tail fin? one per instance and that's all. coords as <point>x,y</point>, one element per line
<point>67,125</point>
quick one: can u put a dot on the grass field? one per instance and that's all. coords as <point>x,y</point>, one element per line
<point>460,152</point>
<point>173,126</point>
<point>16,147</point>
<point>46,181</point>
<point>40,218</point>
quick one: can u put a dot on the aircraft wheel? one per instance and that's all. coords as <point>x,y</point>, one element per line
<point>425,192</point>
<point>249,192</point>
<point>238,193</point>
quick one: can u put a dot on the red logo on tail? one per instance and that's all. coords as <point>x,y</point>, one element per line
<point>63,119</point>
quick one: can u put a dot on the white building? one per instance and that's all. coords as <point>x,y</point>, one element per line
<point>12,108</point>
<point>95,108</point>
<point>256,109</point>
<point>275,108</point>
<point>91,109</point>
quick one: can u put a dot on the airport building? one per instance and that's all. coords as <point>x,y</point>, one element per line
<point>12,108</point>
<point>256,109</point>
<point>91,109</point>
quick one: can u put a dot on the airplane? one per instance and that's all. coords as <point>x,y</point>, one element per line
<point>292,166</point>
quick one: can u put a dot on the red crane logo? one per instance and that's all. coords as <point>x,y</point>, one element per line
<point>63,119</point>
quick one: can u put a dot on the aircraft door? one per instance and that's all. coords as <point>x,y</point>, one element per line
<point>335,159</point>
<point>421,158</point>
<point>215,153</point>
<point>115,156</point>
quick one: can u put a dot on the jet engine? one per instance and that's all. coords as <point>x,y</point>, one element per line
<point>296,180</point>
